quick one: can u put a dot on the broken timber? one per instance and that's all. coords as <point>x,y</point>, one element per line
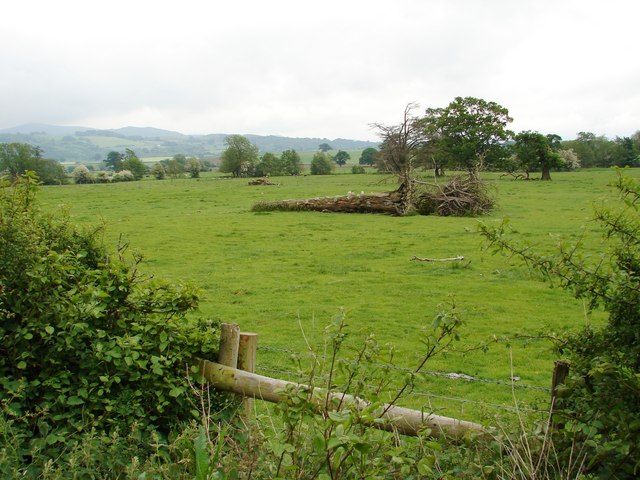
<point>450,259</point>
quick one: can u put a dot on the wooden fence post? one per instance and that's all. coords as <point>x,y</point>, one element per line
<point>229,344</point>
<point>560,373</point>
<point>247,361</point>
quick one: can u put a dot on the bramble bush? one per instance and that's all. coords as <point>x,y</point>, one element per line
<point>88,343</point>
<point>600,403</point>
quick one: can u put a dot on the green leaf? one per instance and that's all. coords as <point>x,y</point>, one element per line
<point>176,391</point>
<point>49,329</point>
<point>335,442</point>
<point>202,455</point>
<point>319,443</point>
<point>74,400</point>
<point>340,417</point>
<point>22,365</point>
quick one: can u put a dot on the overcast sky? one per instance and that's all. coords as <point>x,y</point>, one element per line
<point>318,68</point>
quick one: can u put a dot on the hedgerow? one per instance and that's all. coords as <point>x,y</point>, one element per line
<point>88,342</point>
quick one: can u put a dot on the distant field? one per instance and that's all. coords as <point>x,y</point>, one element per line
<point>115,142</point>
<point>279,274</point>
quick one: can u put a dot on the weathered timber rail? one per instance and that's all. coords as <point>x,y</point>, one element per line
<point>399,419</point>
<point>235,345</point>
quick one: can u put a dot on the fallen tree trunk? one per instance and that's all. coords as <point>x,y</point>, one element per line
<point>386,203</point>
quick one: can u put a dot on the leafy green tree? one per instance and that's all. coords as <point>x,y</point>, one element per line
<point>114,160</point>
<point>269,164</point>
<point>158,171</point>
<point>321,164</point>
<point>469,132</point>
<point>173,168</point>
<point>368,156</point>
<point>18,158</point>
<point>592,150</point>
<point>625,153</point>
<point>87,342</point>
<point>194,167</point>
<point>181,158</point>
<point>292,162</point>
<point>342,157</point>
<point>534,152</point>
<point>636,140</point>
<point>132,163</point>
<point>50,172</point>
<point>325,147</point>
<point>555,141</point>
<point>240,157</point>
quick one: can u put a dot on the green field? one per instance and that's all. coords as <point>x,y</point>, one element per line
<point>282,274</point>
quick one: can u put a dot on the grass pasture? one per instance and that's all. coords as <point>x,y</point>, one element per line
<point>284,273</point>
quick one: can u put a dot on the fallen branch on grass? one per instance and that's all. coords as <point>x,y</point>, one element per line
<point>450,259</point>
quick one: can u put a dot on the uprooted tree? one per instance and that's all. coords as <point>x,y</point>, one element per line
<point>469,133</point>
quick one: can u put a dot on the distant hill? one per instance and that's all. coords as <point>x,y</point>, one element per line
<point>87,145</point>
<point>44,129</point>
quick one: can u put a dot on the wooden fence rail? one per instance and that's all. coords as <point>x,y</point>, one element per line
<point>228,378</point>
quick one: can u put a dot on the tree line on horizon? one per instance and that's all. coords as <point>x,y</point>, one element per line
<point>469,134</point>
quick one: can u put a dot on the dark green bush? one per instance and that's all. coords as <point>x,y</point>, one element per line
<point>87,341</point>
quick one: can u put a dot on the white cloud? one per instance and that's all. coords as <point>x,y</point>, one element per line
<point>317,69</point>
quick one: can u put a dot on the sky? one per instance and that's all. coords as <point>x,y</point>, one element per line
<point>327,69</point>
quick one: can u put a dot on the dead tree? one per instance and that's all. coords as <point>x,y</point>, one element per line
<point>400,151</point>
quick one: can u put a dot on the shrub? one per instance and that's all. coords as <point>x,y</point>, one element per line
<point>158,171</point>
<point>88,343</point>
<point>81,174</point>
<point>103,177</point>
<point>600,403</point>
<point>358,169</point>
<point>123,176</point>
<point>321,164</point>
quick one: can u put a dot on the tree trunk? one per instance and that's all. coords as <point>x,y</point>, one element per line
<point>546,174</point>
<point>405,195</point>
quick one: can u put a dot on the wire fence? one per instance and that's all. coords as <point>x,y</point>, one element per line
<point>513,384</point>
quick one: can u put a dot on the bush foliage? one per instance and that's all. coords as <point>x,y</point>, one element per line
<point>88,343</point>
<point>601,401</point>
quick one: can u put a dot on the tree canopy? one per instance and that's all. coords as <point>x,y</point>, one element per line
<point>534,151</point>
<point>132,163</point>
<point>469,132</point>
<point>19,158</point>
<point>341,157</point>
<point>288,163</point>
<point>321,164</point>
<point>240,157</point>
<point>368,156</point>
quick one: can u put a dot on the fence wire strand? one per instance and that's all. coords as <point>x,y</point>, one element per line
<point>414,393</point>
<point>448,375</point>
